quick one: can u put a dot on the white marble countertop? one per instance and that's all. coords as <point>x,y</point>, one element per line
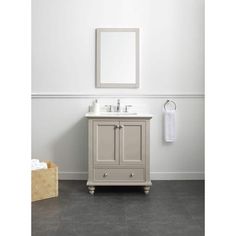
<point>117,115</point>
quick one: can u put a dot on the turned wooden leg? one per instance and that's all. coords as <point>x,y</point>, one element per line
<point>146,189</point>
<point>91,190</point>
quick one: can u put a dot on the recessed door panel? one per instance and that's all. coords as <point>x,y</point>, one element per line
<point>132,142</point>
<point>106,142</point>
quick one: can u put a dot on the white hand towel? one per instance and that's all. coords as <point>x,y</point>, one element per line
<point>169,126</point>
<point>36,164</point>
<point>34,161</point>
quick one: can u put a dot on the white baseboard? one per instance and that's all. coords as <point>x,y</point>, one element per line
<point>73,175</point>
<point>154,175</point>
<point>177,175</point>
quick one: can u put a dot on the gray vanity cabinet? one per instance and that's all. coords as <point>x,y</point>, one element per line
<point>118,152</point>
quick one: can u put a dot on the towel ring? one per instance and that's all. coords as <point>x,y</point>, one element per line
<point>170,102</point>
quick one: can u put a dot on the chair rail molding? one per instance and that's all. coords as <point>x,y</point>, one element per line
<point>70,95</point>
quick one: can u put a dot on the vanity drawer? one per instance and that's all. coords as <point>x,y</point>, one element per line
<point>119,174</point>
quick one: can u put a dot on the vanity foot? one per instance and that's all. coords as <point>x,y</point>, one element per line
<point>91,190</point>
<point>146,189</point>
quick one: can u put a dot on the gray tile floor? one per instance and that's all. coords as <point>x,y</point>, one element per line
<point>172,208</point>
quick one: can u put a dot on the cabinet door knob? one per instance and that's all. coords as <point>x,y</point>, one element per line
<point>121,126</point>
<point>105,175</point>
<point>117,126</point>
<point>132,175</point>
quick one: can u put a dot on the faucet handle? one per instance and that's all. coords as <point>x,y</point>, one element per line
<point>126,107</point>
<point>109,108</point>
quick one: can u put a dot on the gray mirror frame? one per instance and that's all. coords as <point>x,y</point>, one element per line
<point>98,58</point>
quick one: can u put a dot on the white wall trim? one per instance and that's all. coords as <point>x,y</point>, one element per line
<point>154,175</point>
<point>62,95</point>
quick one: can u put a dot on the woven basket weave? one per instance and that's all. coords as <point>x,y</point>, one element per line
<point>44,182</point>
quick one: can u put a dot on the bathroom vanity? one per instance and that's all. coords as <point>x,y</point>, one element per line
<point>118,150</point>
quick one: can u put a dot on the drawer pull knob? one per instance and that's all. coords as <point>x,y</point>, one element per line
<point>132,175</point>
<point>105,175</point>
<point>121,126</point>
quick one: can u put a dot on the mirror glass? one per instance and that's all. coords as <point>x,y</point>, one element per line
<point>117,59</point>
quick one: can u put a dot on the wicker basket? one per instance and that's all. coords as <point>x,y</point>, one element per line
<point>44,182</point>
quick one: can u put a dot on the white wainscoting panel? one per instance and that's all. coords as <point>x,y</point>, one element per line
<point>59,133</point>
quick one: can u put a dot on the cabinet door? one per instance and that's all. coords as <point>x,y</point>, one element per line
<point>132,142</point>
<point>106,142</point>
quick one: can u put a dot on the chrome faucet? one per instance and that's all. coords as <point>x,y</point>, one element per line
<point>118,106</point>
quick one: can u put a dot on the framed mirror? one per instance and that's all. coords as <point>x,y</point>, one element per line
<point>117,58</point>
